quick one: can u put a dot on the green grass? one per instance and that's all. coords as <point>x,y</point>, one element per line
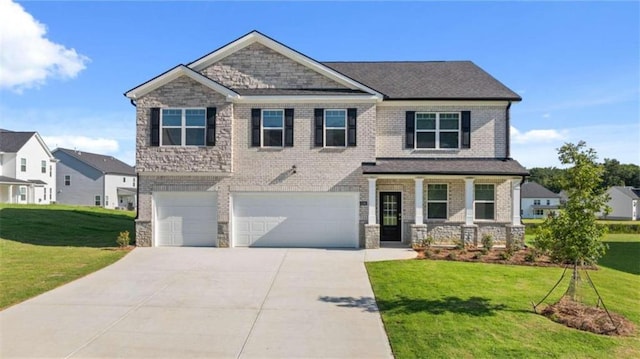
<point>43,247</point>
<point>441,309</point>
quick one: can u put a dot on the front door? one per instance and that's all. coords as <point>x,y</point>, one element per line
<point>390,216</point>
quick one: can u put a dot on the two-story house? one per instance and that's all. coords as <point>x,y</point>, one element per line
<point>27,169</point>
<point>538,201</point>
<point>91,179</point>
<point>257,144</point>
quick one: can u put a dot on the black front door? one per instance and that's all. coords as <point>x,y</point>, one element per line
<point>390,216</point>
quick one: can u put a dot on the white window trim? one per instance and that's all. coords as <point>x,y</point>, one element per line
<point>344,128</point>
<point>23,193</point>
<point>97,200</point>
<point>23,165</point>
<point>446,201</point>
<point>65,180</point>
<point>262,128</point>
<point>183,126</point>
<point>437,130</point>
<point>43,167</point>
<point>484,201</point>
<point>536,202</point>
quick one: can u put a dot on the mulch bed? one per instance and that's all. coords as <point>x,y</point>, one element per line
<point>496,256</point>
<point>590,319</point>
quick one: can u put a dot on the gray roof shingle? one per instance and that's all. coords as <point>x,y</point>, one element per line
<point>427,80</point>
<point>536,190</point>
<point>105,164</point>
<point>11,141</point>
<point>296,91</point>
<point>446,166</point>
<point>633,193</point>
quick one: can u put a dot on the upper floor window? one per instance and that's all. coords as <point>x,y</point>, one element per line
<point>183,127</point>
<point>437,195</point>
<point>50,171</point>
<point>484,204</point>
<point>23,165</point>
<point>43,167</point>
<point>536,202</point>
<point>548,202</point>
<point>335,127</point>
<point>134,182</point>
<point>272,128</point>
<point>124,179</point>
<point>67,180</point>
<point>437,130</point>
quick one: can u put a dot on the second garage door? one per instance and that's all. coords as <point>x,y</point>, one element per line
<point>295,219</point>
<point>186,219</point>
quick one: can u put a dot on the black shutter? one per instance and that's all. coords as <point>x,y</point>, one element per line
<point>410,129</point>
<point>255,127</point>
<point>155,126</point>
<point>211,126</point>
<point>466,129</point>
<point>288,127</point>
<point>351,126</point>
<point>319,127</point>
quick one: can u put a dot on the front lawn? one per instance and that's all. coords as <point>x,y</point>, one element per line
<point>439,309</point>
<point>43,247</point>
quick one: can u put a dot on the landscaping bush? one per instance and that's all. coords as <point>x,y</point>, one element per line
<point>614,228</point>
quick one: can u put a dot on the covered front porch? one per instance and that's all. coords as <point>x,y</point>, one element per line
<point>13,190</point>
<point>450,200</point>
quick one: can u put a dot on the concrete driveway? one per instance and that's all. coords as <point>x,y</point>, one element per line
<point>208,302</point>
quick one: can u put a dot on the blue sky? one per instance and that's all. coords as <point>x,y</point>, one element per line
<point>65,65</point>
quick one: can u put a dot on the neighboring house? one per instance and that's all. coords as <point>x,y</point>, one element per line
<point>256,144</point>
<point>89,179</point>
<point>624,202</point>
<point>27,169</point>
<point>537,201</point>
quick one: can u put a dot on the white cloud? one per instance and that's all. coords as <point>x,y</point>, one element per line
<point>536,136</point>
<point>27,57</point>
<point>546,115</point>
<point>83,143</point>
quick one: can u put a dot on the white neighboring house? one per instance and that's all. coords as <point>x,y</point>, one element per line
<point>27,169</point>
<point>537,201</point>
<point>624,202</point>
<point>89,179</point>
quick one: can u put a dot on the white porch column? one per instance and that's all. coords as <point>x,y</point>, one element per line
<point>468,201</point>
<point>372,200</point>
<point>10,193</point>
<point>418,200</point>
<point>515,204</point>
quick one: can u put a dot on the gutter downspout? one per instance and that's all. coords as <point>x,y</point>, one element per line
<point>138,193</point>
<point>507,133</point>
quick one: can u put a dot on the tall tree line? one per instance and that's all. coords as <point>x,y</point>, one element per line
<point>614,174</point>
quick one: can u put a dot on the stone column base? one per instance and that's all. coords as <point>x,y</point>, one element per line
<point>223,234</point>
<point>469,235</point>
<point>371,236</point>
<point>418,232</point>
<point>515,236</point>
<point>143,233</point>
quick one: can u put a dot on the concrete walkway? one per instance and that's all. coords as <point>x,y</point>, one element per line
<point>208,302</point>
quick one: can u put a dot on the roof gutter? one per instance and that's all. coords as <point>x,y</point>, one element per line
<point>133,102</point>
<point>507,132</point>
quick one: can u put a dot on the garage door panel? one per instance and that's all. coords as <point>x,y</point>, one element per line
<point>296,219</point>
<point>186,218</point>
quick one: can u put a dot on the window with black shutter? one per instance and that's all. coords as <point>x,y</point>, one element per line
<point>211,126</point>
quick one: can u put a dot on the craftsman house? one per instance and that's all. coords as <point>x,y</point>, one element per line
<point>257,144</point>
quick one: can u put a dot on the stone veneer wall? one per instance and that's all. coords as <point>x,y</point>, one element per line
<point>257,66</point>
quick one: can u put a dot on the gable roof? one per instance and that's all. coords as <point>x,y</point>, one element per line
<point>174,73</point>
<point>427,80</point>
<point>104,164</point>
<point>11,141</point>
<point>633,193</point>
<point>393,80</point>
<point>535,190</point>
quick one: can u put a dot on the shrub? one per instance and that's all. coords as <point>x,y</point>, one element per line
<point>531,256</point>
<point>452,256</point>
<point>123,239</point>
<point>506,255</point>
<point>478,255</point>
<point>487,241</point>
<point>484,251</point>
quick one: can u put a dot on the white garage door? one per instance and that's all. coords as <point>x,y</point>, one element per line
<point>295,219</point>
<point>186,219</point>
